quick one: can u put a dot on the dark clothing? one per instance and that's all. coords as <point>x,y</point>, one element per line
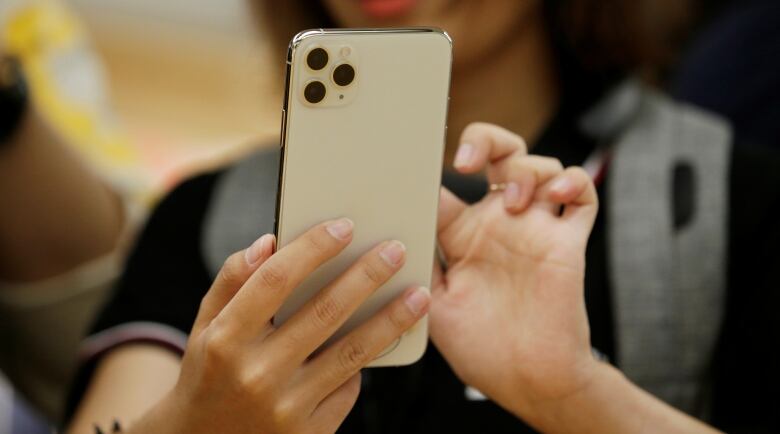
<point>166,278</point>
<point>732,69</point>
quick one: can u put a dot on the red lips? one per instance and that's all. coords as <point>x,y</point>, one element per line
<point>386,9</point>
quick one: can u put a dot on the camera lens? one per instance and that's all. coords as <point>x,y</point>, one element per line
<point>344,74</point>
<point>314,92</point>
<point>317,59</point>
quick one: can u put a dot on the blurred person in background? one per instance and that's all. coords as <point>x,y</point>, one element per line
<point>66,205</point>
<point>680,288</point>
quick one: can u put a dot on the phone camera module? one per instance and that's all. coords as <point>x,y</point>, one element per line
<point>317,59</point>
<point>344,74</point>
<point>314,92</point>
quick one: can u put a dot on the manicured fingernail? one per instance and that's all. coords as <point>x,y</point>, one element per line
<point>393,253</point>
<point>464,156</point>
<point>512,196</point>
<point>560,185</point>
<point>340,229</point>
<point>260,248</point>
<point>418,300</point>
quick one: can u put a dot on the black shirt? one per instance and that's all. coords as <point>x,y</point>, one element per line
<point>166,277</point>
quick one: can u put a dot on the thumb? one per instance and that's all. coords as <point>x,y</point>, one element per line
<point>450,208</point>
<point>236,270</point>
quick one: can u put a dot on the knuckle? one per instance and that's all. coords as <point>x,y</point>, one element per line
<point>551,162</point>
<point>230,273</point>
<point>474,127</point>
<point>372,273</point>
<point>352,356</point>
<point>317,242</point>
<point>327,310</point>
<point>398,318</point>
<point>285,412</point>
<point>273,276</point>
<point>578,172</point>
<point>256,381</point>
<point>216,346</point>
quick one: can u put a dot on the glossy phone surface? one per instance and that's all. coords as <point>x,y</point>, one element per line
<point>366,141</point>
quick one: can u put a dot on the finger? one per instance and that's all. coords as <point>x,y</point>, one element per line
<point>233,274</point>
<point>522,175</point>
<point>331,368</point>
<point>260,297</point>
<point>332,411</point>
<point>450,208</point>
<point>482,143</point>
<point>321,316</point>
<point>574,189</point>
<point>437,281</point>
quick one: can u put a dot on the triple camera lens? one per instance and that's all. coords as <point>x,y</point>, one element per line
<point>344,74</point>
<point>315,90</point>
<point>317,59</point>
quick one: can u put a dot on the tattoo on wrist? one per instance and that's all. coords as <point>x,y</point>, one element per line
<point>116,427</point>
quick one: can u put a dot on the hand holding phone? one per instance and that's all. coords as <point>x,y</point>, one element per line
<point>266,376</point>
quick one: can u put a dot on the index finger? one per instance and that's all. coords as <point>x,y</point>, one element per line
<point>482,143</point>
<point>264,292</point>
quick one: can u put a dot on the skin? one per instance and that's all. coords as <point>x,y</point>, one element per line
<point>501,48</point>
<point>57,214</point>
<point>515,270</point>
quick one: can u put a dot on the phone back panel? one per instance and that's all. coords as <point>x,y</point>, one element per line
<point>371,151</point>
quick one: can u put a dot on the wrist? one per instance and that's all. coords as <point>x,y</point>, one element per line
<point>164,418</point>
<point>599,386</point>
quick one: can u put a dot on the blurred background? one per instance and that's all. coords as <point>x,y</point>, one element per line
<point>181,78</point>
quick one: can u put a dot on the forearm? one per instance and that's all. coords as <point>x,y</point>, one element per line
<point>612,404</point>
<point>127,386</point>
<point>56,212</point>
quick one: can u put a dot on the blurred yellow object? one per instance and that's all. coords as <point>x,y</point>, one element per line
<point>67,84</point>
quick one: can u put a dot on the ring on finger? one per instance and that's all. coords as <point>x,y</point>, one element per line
<point>497,187</point>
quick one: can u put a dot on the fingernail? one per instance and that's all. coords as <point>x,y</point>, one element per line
<point>512,195</point>
<point>340,229</point>
<point>261,247</point>
<point>393,253</point>
<point>560,185</point>
<point>418,300</point>
<point>464,156</point>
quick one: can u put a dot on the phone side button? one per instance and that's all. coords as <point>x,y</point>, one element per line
<point>283,131</point>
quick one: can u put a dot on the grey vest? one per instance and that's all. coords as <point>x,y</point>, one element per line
<point>668,286</point>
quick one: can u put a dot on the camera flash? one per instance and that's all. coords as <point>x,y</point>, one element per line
<point>345,51</point>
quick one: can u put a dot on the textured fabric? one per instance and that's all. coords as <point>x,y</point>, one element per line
<point>243,208</point>
<point>668,285</point>
<point>42,324</point>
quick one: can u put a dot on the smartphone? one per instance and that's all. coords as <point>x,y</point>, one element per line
<point>363,134</point>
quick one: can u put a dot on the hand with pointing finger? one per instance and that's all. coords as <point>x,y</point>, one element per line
<point>508,313</point>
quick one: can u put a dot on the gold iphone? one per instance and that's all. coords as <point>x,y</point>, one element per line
<point>363,134</point>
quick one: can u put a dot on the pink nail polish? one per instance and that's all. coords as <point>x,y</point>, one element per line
<point>258,249</point>
<point>464,156</point>
<point>393,253</point>
<point>418,300</point>
<point>512,196</point>
<point>340,229</point>
<point>560,185</point>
